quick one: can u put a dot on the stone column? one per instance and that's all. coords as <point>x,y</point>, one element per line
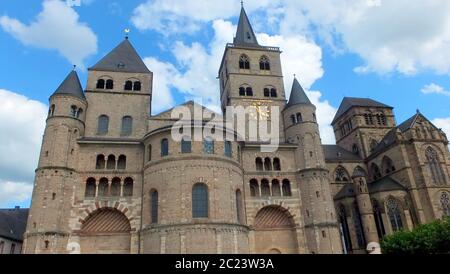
<point>365,208</point>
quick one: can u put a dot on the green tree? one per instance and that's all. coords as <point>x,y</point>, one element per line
<point>432,238</point>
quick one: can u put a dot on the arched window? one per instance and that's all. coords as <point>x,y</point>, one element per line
<point>293,119</point>
<point>266,92</point>
<point>286,188</point>
<point>265,188</point>
<point>244,62</point>
<point>127,126</point>
<point>100,84</point>
<point>154,204</point>
<point>242,91</point>
<point>228,149</point>
<point>73,111</point>
<point>254,188</point>
<point>388,165</point>
<point>149,153</point>
<point>394,213</point>
<point>378,219</point>
<point>381,119</point>
<point>276,164</point>
<point>434,166</point>
<point>164,147</point>
<point>122,162</point>
<point>259,164</point>
<point>128,187</point>
<point>103,125</point>
<point>264,63</point>
<point>358,226</point>
<point>368,118</point>
<point>100,163</point>
<point>109,84</point>
<point>343,223</point>
<point>90,188</point>
<point>276,188</point>
<point>239,207</point>
<point>445,204</point>
<point>341,175</point>
<point>248,91</point>
<point>128,85</point>
<point>103,187</point>
<point>208,146</point>
<point>273,93</point>
<point>376,173</point>
<point>299,118</point>
<point>115,187</point>
<point>51,111</point>
<point>267,164</point>
<point>200,201</point>
<point>79,112</point>
<point>137,86</point>
<point>186,145</point>
<point>111,163</point>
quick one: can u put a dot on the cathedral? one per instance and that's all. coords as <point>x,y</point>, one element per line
<point>111,179</point>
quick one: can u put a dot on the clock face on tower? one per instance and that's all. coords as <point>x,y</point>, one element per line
<point>262,109</point>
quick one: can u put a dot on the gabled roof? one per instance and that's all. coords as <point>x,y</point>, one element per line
<point>13,223</point>
<point>346,191</point>
<point>190,104</point>
<point>71,86</point>
<point>334,152</point>
<point>123,58</point>
<point>349,102</point>
<point>298,95</point>
<point>385,184</point>
<point>245,36</point>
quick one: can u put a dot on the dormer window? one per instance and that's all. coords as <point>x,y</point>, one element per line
<point>121,65</point>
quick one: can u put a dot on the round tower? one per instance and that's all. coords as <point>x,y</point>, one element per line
<point>56,176</point>
<point>320,223</point>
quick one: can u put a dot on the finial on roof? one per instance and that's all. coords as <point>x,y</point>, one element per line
<point>242,3</point>
<point>418,111</point>
<point>74,67</point>
<point>127,32</point>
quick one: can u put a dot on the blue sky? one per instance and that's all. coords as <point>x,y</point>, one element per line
<point>396,53</point>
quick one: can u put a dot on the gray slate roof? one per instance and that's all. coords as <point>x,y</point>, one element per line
<point>349,102</point>
<point>123,58</point>
<point>71,86</point>
<point>346,191</point>
<point>334,152</point>
<point>298,95</point>
<point>385,184</point>
<point>13,223</point>
<point>245,36</point>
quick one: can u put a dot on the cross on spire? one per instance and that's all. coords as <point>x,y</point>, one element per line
<point>127,32</point>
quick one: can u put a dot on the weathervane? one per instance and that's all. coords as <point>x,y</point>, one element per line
<point>127,32</point>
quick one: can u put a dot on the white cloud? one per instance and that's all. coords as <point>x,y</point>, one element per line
<point>443,123</point>
<point>57,27</point>
<point>14,193</point>
<point>404,36</point>
<point>434,89</point>
<point>22,123</point>
<point>180,16</point>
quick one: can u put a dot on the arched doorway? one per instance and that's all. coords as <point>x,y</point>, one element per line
<point>105,231</point>
<point>275,231</point>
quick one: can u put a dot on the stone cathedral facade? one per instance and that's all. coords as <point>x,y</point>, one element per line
<point>112,180</point>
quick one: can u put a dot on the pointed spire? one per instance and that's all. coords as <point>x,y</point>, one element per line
<point>245,36</point>
<point>123,58</point>
<point>298,95</point>
<point>71,86</point>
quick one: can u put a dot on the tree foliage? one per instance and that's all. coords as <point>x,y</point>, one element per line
<point>432,238</point>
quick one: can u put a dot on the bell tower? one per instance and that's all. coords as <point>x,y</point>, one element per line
<point>250,74</point>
